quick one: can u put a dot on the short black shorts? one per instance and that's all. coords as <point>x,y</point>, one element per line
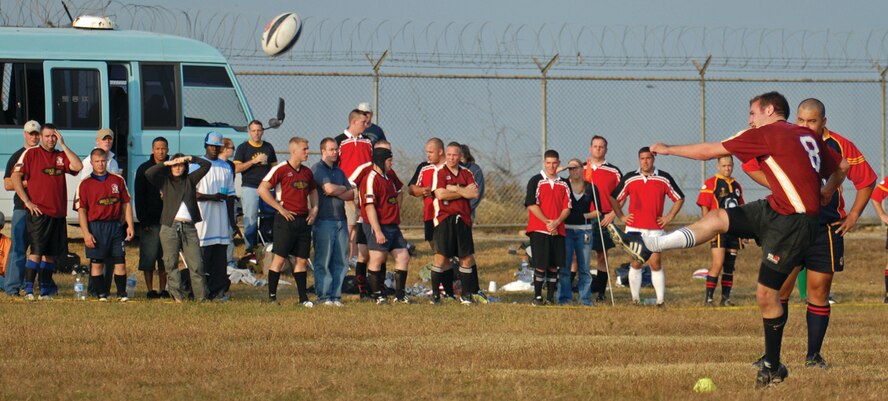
<point>393,238</point>
<point>109,236</point>
<point>547,250</point>
<point>784,239</point>
<point>48,235</point>
<point>429,230</point>
<point>597,237</point>
<point>886,240</point>
<point>827,253</point>
<point>725,241</point>
<point>453,237</point>
<point>360,238</point>
<point>291,237</point>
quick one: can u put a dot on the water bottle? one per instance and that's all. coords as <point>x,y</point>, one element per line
<point>78,288</point>
<point>131,286</point>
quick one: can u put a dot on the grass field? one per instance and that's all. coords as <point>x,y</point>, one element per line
<point>247,349</point>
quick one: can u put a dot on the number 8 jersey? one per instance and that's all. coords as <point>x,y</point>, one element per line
<point>794,159</point>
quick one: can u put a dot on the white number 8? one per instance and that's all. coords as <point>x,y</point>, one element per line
<point>810,146</point>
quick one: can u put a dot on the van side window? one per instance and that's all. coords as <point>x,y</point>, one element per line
<point>21,93</point>
<point>76,102</point>
<point>159,100</point>
<point>209,98</point>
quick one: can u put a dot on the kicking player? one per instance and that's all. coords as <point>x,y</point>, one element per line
<point>548,205</point>
<point>721,191</point>
<point>453,187</point>
<point>297,207</point>
<point>605,176</point>
<point>102,202</point>
<point>647,189</point>
<point>381,211</point>
<point>879,195</point>
<point>795,160</point>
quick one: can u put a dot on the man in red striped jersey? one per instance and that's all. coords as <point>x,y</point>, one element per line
<point>879,195</point>
<point>548,205</point>
<point>421,185</point>
<point>647,189</point>
<point>354,150</point>
<point>794,160</point>
<point>605,176</point>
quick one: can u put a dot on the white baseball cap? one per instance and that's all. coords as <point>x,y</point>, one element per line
<point>32,126</point>
<point>365,107</point>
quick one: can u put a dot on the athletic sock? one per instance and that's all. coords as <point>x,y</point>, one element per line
<point>681,238</point>
<point>551,285</point>
<point>273,278</point>
<point>400,283</point>
<point>476,288</point>
<point>447,280</point>
<point>96,284</point>
<point>31,269</point>
<point>300,278</point>
<point>384,271</point>
<point>727,285</point>
<point>43,279</point>
<point>601,279</point>
<point>658,279</point>
<point>361,276</point>
<point>635,283</point>
<point>437,274</point>
<point>773,339</point>
<point>539,278</point>
<point>818,321</point>
<point>711,283</point>
<point>120,283</point>
<point>785,304</point>
<point>376,281</point>
<point>48,268</point>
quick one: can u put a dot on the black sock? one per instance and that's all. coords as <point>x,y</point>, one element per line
<point>785,304</point>
<point>447,280</point>
<point>818,321</point>
<point>384,271</point>
<point>601,278</point>
<point>711,283</point>
<point>400,283</point>
<point>376,280</point>
<point>30,276</point>
<point>465,278</point>
<point>551,285</point>
<point>727,284</point>
<point>476,286</point>
<point>120,283</point>
<point>273,278</point>
<point>539,278</point>
<point>436,281</point>
<point>300,278</point>
<point>773,340</point>
<point>43,279</point>
<point>96,284</point>
<point>361,277</point>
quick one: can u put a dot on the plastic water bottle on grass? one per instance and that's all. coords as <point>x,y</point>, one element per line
<point>78,288</point>
<point>131,286</point>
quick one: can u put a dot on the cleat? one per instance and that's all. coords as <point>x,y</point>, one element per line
<point>726,302</point>
<point>759,363</point>
<point>709,303</point>
<point>480,298</point>
<point>466,300</point>
<point>636,302</point>
<point>402,300</point>
<point>661,305</point>
<point>338,304</point>
<point>767,378</point>
<point>30,297</point>
<point>328,303</point>
<point>103,299</point>
<point>45,297</point>
<point>538,301</point>
<point>435,301</point>
<point>600,298</point>
<point>272,299</point>
<point>630,242</point>
<point>122,299</point>
<point>816,361</point>
<point>153,294</point>
<point>832,301</point>
<point>165,294</point>
<point>381,300</point>
<point>308,304</point>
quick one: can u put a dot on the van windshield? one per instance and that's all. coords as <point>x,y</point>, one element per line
<point>209,98</point>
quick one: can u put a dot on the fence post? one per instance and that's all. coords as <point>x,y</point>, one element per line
<point>701,69</point>
<point>376,64</point>
<point>543,112</point>
<point>882,72</point>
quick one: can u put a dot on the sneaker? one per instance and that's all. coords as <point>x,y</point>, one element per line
<point>53,289</point>
<point>726,302</point>
<point>466,300</point>
<point>402,300</point>
<point>153,294</point>
<point>816,361</point>
<point>600,298</point>
<point>103,298</point>
<point>45,297</point>
<point>338,304</point>
<point>328,303</point>
<point>661,304</point>
<point>272,299</point>
<point>538,301</point>
<point>709,303</point>
<point>636,302</point>
<point>480,298</point>
<point>225,297</point>
<point>766,378</point>
<point>630,242</point>
<point>308,304</point>
<point>381,300</point>
<point>759,363</point>
<point>30,297</point>
<point>165,294</point>
<point>122,299</point>
<point>832,300</point>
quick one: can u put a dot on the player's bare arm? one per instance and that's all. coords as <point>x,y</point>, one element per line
<point>128,218</point>
<point>664,220</point>
<point>313,209</point>
<point>696,151</point>
<point>834,181</point>
<point>88,240</point>
<point>860,200</point>
<point>880,211</point>
<point>73,160</point>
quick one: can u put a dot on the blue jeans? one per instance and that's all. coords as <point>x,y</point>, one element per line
<point>15,266</point>
<point>576,245</point>
<point>330,246</point>
<point>250,205</point>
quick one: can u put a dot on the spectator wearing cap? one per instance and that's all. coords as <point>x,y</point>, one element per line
<point>104,141</point>
<point>15,265</point>
<point>372,131</point>
<point>215,199</point>
<point>252,160</point>
<point>148,208</point>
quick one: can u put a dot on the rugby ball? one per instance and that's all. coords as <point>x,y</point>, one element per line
<point>281,34</point>
<point>701,274</point>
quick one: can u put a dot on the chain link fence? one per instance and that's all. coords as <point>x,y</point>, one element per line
<point>505,120</point>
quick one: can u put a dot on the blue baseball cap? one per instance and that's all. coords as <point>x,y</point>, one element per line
<point>213,138</point>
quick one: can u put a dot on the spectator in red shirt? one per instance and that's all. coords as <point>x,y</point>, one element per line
<point>548,205</point>
<point>354,150</point>
<point>605,176</point>
<point>647,189</point>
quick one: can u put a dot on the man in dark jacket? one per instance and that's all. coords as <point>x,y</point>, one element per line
<point>148,207</point>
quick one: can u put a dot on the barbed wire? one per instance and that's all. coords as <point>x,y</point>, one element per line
<point>328,42</point>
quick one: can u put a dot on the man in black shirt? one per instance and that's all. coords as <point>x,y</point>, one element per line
<point>148,208</point>
<point>252,159</point>
<point>15,266</point>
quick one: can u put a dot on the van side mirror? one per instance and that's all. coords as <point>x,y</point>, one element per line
<point>277,121</point>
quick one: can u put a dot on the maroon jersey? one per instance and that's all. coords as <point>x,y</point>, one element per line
<point>794,160</point>
<point>605,177</point>
<point>353,152</point>
<point>45,173</point>
<point>103,199</point>
<point>361,173</point>
<point>552,196</point>
<point>382,193</point>
<point>292,186</point>
<point>461,207</point>
<point>647,194</point>
<point>423,177</point>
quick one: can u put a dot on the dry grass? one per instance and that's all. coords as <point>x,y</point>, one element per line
<point>247,349</point>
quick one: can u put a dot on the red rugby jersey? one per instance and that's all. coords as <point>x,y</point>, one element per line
<point>647,194</point>
<point>424,177</point>
<point>382,192</point>
<point>353,152</point>
<point>292,186</point>
<point>605,177</point>
<point>45,173</point>
<point>444,209</point>
<point>552,196</point>
<point>720,192</point>
<point>103,200</point>
<point>860,173</point>
<point>881,191</point>
<point>794,160</point>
